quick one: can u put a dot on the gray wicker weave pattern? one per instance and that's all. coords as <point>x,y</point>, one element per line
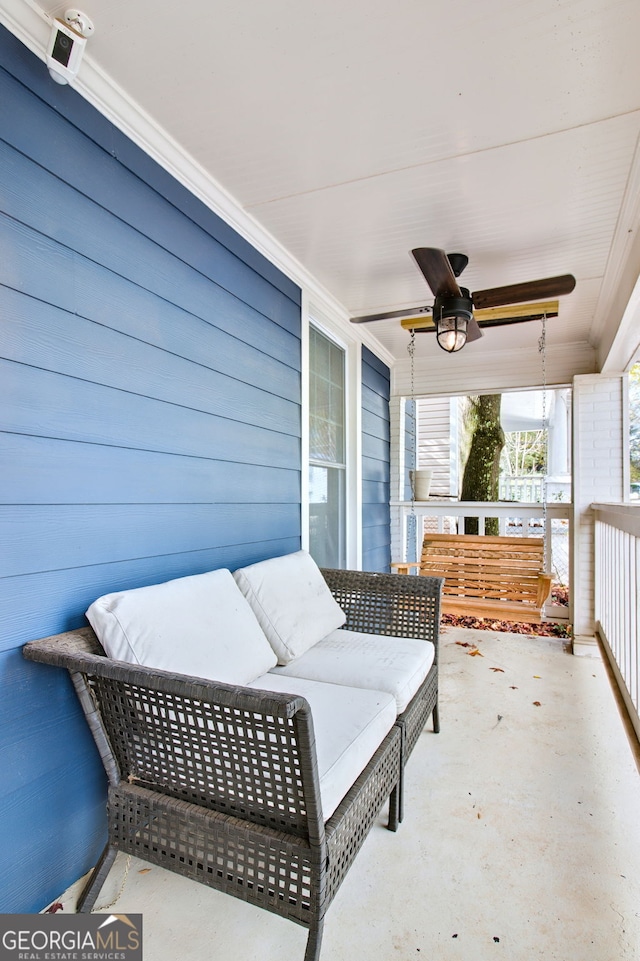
<point>240,762</point>
<point>388,604</point>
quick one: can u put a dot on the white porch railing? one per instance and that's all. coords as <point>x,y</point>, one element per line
<point>518,519</point>
<point>521,487</point>
<point>617,595</point>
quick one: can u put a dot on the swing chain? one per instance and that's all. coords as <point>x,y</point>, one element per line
<point>542,350</point>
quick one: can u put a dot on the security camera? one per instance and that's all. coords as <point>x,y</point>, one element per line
<point>66,45</point>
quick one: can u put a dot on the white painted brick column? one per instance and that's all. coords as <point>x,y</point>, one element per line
<point>599,475</point>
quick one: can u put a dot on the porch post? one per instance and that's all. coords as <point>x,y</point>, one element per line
<point>599,447</point>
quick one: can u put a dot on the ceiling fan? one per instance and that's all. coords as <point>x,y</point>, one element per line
<point>458,315</point>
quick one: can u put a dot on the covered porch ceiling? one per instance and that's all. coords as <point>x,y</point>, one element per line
<point>352,132</point>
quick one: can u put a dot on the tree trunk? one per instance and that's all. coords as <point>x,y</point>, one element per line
<point>482,470</point>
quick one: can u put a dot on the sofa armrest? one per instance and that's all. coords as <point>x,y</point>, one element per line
<point>237,750</point>
<point>388,604</point>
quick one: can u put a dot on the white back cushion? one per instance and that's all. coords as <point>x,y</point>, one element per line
<point>200,625</point>
<point>292,602</point>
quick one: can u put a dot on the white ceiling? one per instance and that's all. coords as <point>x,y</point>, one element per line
<point>352,132</point>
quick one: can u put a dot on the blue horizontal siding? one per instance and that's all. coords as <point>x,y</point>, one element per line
<point>41,201</point>
<point>46,404</point>
<point>375,469</point>
<point>375,492</point>
<point>35,470</point>
<point>375,425</point>
<point>222,333</point>
<point>376,559</point>
<point>376,404</point>
<point>44,337</point>
<point>376,453</point>
<point>150,428</point>
<point>377,450</point>
<point>54,536</point>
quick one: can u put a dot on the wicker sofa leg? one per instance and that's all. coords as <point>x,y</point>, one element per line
<point>98,877</point>
<point>394,809</point>
<point>436,719</point>
<point>314,941</point>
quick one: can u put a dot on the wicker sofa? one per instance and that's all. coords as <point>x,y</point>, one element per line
<point>233,784</point>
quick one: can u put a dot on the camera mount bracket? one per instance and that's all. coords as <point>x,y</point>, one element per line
<point>79,22</point>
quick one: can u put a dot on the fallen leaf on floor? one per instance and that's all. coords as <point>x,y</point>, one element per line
<point>537,704</point>
<point>464,644</point>
<point>512,687</point>
<point>54,907</point>
<point>479,815</point>
<point>537,677</point>
<point>475,653</point>
<point>497,669</point>
<point>545,629</point>
<point>144,870</point>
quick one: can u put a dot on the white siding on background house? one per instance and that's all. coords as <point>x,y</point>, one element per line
<point>436,443</point>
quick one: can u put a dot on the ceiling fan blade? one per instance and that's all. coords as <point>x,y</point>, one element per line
<point>473,331</point>
<point>391,314</point>
<point>516,293</point>
<point>437,271</point>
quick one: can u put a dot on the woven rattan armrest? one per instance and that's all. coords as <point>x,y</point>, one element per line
<point>80,651</point>
<point>387,604</point>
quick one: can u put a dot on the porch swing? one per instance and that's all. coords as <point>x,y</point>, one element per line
<point>486,576</point>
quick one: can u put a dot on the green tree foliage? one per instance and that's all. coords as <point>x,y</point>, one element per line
<point>482,469</point>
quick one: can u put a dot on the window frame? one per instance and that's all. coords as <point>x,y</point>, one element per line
<point>321,318</point>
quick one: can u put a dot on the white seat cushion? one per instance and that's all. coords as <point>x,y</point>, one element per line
<point>349,726</point>
<point>397,665</point>
<point>292,602</point>
<point>200,625</point>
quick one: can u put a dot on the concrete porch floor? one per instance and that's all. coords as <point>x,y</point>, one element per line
<point>521,837</point>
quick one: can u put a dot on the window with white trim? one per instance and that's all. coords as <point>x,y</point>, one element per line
<point>327,451</point>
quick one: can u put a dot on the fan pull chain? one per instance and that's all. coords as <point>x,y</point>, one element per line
<point>542,350</point>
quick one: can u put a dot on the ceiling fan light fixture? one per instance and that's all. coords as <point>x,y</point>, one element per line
<point>451,316</point>
<point>451,333</point>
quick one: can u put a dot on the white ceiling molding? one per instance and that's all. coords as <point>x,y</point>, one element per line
<point>621,278</point>
<point>31,26</point>
<point>470,374</point>
<point>623,352</point>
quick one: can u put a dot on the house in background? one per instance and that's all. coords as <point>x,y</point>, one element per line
<point>439,438</point>
<point>185,235</point>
